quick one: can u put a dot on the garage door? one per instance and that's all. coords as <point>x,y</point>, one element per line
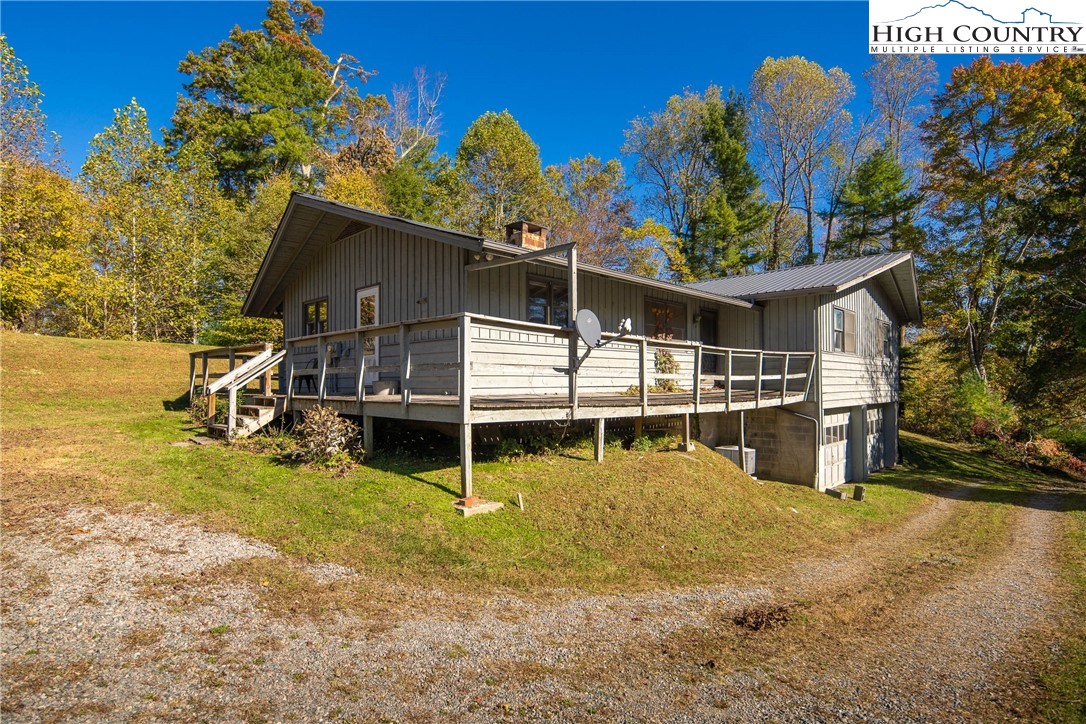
<point>876,446</point>
<point>835,453</point>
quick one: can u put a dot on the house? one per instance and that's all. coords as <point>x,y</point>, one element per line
<point>390,318</point>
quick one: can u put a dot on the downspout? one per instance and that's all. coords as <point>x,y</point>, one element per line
<point>817,431</point>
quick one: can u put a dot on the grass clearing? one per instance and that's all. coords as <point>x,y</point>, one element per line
<point>92,422</point>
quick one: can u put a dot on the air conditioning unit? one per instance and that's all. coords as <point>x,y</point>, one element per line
<point>732,453</point>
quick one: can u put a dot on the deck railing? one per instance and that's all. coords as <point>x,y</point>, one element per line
<point>423,360</point>
<point>233,356</point>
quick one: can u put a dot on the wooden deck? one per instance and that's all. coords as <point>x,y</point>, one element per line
<point>520,372</point>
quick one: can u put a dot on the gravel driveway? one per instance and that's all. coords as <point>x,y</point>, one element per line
<point>86,636</point>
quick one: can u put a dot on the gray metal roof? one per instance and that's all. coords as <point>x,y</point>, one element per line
<point>830,277</point>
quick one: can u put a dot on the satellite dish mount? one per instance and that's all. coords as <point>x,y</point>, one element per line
<point>588,327</point>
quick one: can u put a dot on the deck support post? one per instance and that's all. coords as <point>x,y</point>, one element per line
<point>465,460</point>
<point>687,444</point>
<point>598,439</point>
<point>210,410</point>
<point>572,299</point>
<point>266,383</point>
<point>639,427</point>
<point>743,440</point>
<point>367,434</point>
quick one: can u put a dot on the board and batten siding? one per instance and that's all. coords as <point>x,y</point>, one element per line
<point>417,277</point>
<point>788,323</point>
<point>503,292</point>
<point>867,377</point>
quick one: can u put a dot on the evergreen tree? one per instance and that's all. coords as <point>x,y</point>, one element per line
<point>735,209</point>
<point>266,101</point>
<point>877,210</point>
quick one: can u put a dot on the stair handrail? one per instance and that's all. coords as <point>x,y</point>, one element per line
<point>237,372</point>
<point>244,375</point>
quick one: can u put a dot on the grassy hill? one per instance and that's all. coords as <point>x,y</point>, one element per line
<point>92,422</point>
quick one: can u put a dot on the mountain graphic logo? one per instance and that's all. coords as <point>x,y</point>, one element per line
<point>1030,15</point>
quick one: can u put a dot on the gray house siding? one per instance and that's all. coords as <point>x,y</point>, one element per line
<point>866,377</point>
<point>789,323</point>
<point>417,277</point>
<point>502,292</point>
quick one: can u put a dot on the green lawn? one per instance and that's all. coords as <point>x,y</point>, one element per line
<point>92,421</point>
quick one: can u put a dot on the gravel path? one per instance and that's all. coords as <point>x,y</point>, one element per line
<point>944,658</point>
<point>83,639</point>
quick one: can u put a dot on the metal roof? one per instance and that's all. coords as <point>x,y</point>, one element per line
<point>828,278</point>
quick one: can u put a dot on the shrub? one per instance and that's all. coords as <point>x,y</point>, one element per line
<point>981,408</point>
<point>325,438</point>
<point>197,410</point>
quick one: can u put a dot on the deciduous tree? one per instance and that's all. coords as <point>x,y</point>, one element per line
<point>799,114</point>
<point>496,177</point>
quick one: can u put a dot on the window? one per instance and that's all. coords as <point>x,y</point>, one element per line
<point>887,337</point>
<point>665,320</point>
<point>367,315</point>
<point>548,302</point>
<point>315,314</point>
<point>844,330</point>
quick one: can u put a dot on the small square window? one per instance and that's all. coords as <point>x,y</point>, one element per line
<point>548,302</point>
<point>315,314</point>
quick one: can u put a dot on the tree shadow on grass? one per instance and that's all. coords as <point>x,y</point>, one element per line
<point>940,468</point>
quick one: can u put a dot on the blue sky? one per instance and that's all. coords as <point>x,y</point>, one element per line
<point>573,74</point>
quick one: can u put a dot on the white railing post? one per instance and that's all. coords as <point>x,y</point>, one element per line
<point>728,381</point>
<point>290,373</point>
<point>192,376</point>
<point>758,381</point>
<point>784,378</point>
<point>644,377</point>
<point>697,377</point>
<point>206,372</point>
<point>465,368</point>
<point>405,366</point>
<point>360,366</point>
<point>812,359</point>
<point>322,350</point>
<point>231,411</point>
<point>571,312</point>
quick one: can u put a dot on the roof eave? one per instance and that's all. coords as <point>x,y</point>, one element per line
<point>267,306</point>
<point>508,249</point>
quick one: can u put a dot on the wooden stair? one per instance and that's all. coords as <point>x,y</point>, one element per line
<point>255,413</point>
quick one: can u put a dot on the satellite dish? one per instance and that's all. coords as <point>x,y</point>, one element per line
<point>588,326</point>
